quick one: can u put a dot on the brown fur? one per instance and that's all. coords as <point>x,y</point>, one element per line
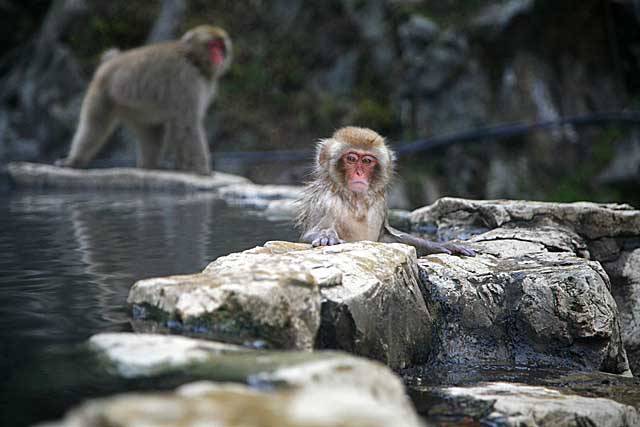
<point>161,92</point>
<point>329,213</point>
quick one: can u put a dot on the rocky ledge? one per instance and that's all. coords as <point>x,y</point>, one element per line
<point>553,289</point>
<point>234,189</point>
<point>608,235</point>
<point>234,386</point>
<point>252,388</point>
<point>536,294</point>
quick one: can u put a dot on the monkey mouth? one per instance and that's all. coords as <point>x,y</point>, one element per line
<point>358,186</point>
<point>217,51</point>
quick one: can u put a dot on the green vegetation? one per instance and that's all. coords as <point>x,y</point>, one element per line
<point>578,184</point>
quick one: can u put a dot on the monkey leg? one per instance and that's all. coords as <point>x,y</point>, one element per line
<point>149,139</point>
<point>192,149</point>
<point>97,122</point>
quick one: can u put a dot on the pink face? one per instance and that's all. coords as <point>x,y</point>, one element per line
<point>359,167</point>
<point>217,51</point>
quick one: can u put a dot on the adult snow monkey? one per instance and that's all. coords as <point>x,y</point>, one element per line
<point>161,92</point>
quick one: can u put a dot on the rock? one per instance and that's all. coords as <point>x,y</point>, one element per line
<point>443,88</point>
<point>313,389</point>
<point>370,19</point>
<point>445,94</point>
<point>602,232</point>
<point>625,275</point>
<point>518,304</point>
<point>49,176</point>
<point>531,297</point>
<point>259,294</point>
<point>375,308</point>
<point>592,221</point>
<point>135,355</point>
<point>526,94</point>
<point>417,32</point>
<point>233,405</point>
<point>340,79</point>
<point>273,293</point>
<point>534,406</point>
<point>261,197</point>
<point>280,209</point>
<point>497,17</point>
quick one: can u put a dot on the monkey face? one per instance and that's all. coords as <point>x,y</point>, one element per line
<point>217,51</point>
<point>359,169</point>
<point>210,47</point>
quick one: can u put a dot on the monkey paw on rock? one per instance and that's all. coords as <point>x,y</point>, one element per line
<point>326,237</point>
<point>454,249</point>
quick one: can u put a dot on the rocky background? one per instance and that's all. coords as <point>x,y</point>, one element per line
<point>409,69</point>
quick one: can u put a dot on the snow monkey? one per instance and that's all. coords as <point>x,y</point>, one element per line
<point>161,93</point>
<point>346,201</point>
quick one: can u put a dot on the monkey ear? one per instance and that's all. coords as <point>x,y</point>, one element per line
<point>188,36</point>
<point>324,152</point>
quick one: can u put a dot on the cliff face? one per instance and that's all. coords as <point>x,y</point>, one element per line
<point>409,69</point>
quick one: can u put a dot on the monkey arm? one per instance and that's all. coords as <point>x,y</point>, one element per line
<point>423,247</point>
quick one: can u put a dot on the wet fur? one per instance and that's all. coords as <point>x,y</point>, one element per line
<point>329,213</point>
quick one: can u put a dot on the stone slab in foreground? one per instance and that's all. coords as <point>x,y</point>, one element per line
<point>136,355</point>
<point>305,389</point>
<point>372,303</point>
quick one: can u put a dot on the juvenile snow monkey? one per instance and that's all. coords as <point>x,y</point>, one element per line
<point>346,201</point>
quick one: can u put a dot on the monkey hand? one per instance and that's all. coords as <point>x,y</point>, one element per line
<point>454,249</point>
<point>326,237</point>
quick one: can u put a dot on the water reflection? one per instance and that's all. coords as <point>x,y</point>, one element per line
<point>68,261</point>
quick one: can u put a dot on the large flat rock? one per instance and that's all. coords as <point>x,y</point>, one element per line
<point>37,175</point>
<point>293,388</point>
<point>593,221</point>
<point>371,301</point>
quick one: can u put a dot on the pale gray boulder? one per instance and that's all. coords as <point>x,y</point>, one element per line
<point>607,233</point>
<point>520,405</point>
<point>371,300</point>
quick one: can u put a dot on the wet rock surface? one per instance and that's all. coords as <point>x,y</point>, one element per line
<point>273,294</point>
<point>460,395</point>
<point>38,175</point>
<point>245,297</point>
<point>534,309</point>
<point>526,333</point>
<point>272,201</point>
<point>270,389</point>
<point>607,233</point>
<point>534,406</point>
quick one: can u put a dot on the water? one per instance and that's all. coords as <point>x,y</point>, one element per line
<point>67,262</point>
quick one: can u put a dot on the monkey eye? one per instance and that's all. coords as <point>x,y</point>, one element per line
<point>351,158</point>
<point>368,160</point>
